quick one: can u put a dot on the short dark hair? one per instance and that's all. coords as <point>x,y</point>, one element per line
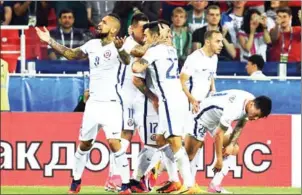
<point>208,35</point>
<point>115,16</point>
<point>65,11</point>
<point>264,104</point>
<point>136,18</point>
<point>284,10</point>
<point>162,21</point>
<point>258,60</point>
<point>152,26</point>
<point>212,7</point>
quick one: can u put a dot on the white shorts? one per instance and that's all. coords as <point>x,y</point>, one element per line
<point>130,105</point>
<point>172,117</point>
<point>106,115</point>
<point>199,131</point>
<point>148,123</point>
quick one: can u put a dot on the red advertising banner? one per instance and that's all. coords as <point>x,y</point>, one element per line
<point>39,148</point>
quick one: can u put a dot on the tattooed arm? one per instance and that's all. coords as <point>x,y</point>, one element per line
<point>237,131</point>
<point>70,54</point>
<point>139,50</point>
<point>125,57</point>
<point>141,86</point>
<point>140,65</point>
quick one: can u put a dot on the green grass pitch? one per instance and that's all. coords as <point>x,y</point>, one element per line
<point>100,190</point>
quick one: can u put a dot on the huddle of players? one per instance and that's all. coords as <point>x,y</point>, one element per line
<point>150,95</point>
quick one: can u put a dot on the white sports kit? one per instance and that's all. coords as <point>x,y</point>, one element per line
<point>104,106</point>
<point>163,66</point>
<point>138,110</point>
<point>223,107</point>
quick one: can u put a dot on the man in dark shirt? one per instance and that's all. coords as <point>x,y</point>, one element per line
<point>213,17</point>
<point>65,34</point>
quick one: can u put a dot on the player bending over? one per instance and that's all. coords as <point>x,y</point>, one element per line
<point>216,114</point>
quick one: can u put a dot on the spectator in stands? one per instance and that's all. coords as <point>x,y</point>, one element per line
<point>125,10</point>
<point>197,16</point>
<point>258,5</point>
<point>20,12</point>
<point>151,9</point>
<point>182,38</point>
<point>6,13</point>
<point>213,16</point>
<point>286,39</point>
<point>42,9</point>
<point>96,10</point>
<point>253,36</point>
<point>65,34</point>
<point>80,12</point>
<point>169,6</point>
<point>254,66</point>
<point>233,19</point>
<point>271,13</point>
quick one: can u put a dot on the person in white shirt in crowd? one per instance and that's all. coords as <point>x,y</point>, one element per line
<point>253,36</point>
<point>233,19</point>
<point>254,67</point>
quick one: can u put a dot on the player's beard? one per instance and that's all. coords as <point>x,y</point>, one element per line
<point>104,35</point>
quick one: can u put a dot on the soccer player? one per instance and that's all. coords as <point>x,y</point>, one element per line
<point>197,80</point>
<point>161,60</point>
<point>102,109</point>
<point>128,92</point>
<point>215,115</point>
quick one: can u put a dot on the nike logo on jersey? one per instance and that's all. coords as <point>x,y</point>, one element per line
<point>125,165</point>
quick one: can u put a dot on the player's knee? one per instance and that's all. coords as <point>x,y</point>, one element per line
<point>175,143</point>
<point>236,150</point>
<point>160,140</point>
<point>86,145</point>
<point>127,134</point>
<point>114,145</point>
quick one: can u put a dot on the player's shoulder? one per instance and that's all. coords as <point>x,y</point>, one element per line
<point>94,42</point>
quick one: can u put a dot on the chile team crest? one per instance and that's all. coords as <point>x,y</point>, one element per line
<point>107,54</point>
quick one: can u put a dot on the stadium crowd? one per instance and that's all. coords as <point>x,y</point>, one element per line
<point>248,27</point>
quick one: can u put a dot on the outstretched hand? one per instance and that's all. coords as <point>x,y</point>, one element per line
<point>43,35</point>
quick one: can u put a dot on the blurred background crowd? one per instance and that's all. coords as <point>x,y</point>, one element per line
<point>266,28</point>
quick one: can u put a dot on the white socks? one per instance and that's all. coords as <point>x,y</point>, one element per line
<point>194,163</point>
<point>113,170</point>
<point>143,162</point>
<point>170,164</point>
<point>218,177</point>
<point>80,160</point>
<point>183,163</point>
<point>121,163</point>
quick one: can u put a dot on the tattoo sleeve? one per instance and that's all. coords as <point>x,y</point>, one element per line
<point>139,66</point>
<point>141,86</point>
<point>237,131</point>
<point>125,57</point>
<point>70,54</point>
<point>139,50</point>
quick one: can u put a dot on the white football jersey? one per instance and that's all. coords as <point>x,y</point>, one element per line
<point>105,70</point>
<point>223,107</point>
<point>163,66</point>
<point>201,70</point>
<point>128,45</point>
